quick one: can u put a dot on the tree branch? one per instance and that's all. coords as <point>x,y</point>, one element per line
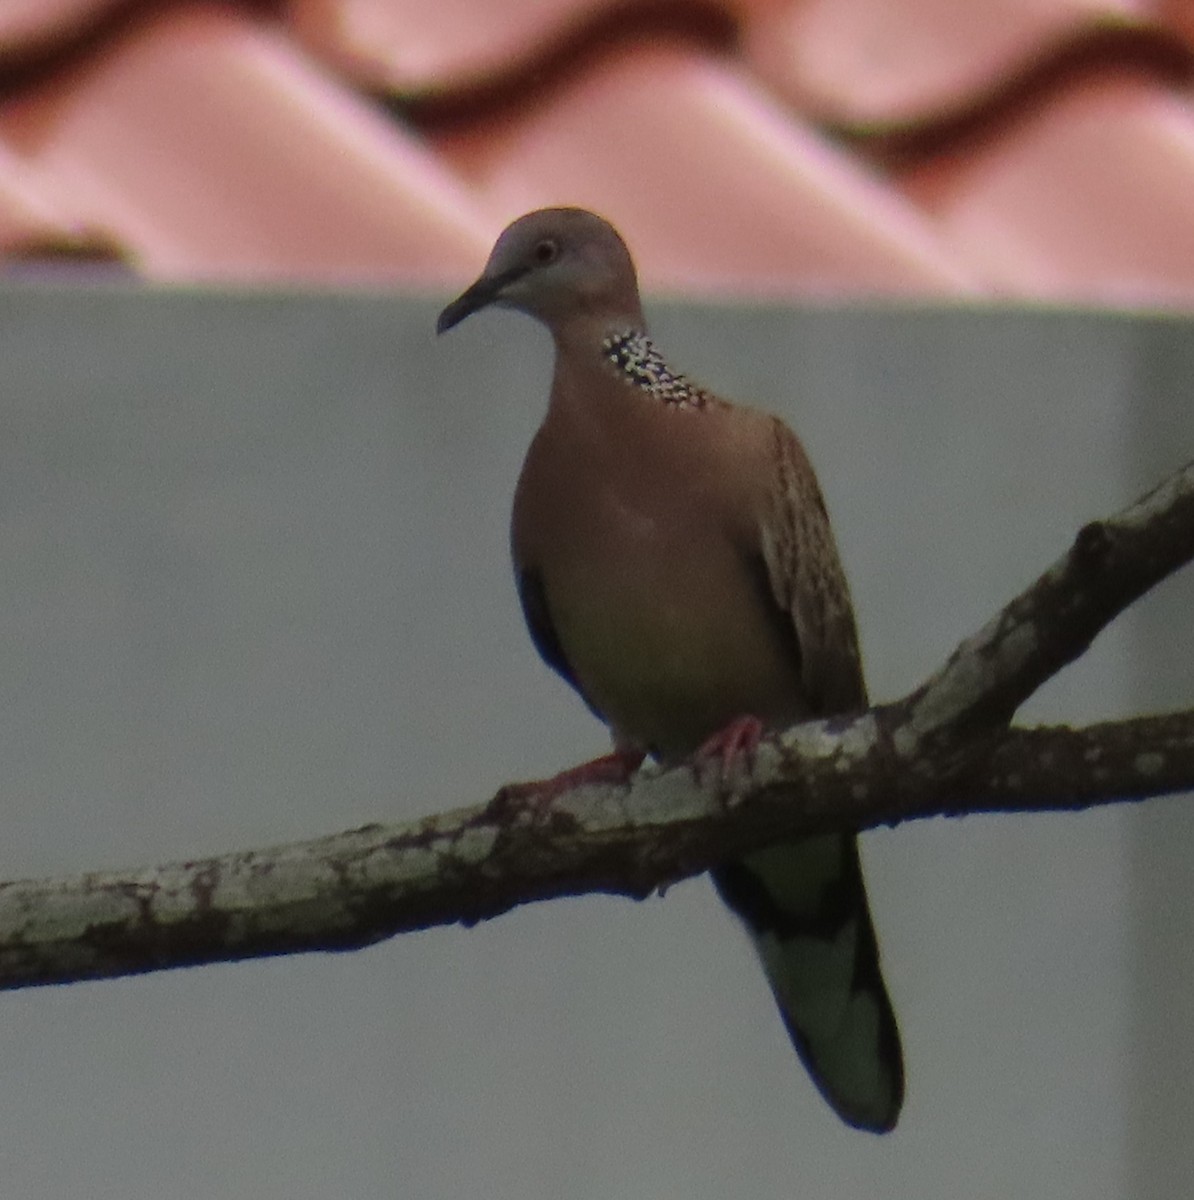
<point>945,749</point>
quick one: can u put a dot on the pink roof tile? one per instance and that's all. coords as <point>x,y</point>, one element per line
<point>717,187</point>
<point>33,216</point>
<point>877,63</point>
<point>417,46</point>
<point>1178,16</point>
<point>29,25</point>
<point>209,145</point>
<point>870,147</point>
<point>1089,198</point>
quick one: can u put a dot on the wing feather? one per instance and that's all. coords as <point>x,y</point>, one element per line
<point>808,583</point>
<point>535,609</point>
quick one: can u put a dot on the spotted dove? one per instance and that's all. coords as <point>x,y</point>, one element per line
<point>676,566</point>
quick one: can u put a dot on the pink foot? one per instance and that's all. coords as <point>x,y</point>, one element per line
<point>737,742</point>
<point>609,768</point>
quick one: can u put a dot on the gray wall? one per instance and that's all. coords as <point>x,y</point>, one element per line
<point>255,588</point>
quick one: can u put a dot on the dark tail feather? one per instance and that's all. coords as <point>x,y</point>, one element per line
<point>805,906</point>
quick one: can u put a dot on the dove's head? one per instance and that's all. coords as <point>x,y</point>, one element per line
<point>563,266</point>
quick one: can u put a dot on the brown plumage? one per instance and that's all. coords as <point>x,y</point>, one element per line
<point>676,565</point>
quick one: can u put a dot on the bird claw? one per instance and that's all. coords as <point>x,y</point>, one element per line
<point>735,743</point>
<point>538,794</point>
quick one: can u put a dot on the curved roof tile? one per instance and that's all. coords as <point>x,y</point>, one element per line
<point>1024,147</point>
<point>1091,198</point>
<point>206,143</point>
<point>33,217</point>
<point>437,46</point>
<point>860,63</point>
<point>27,26</point>
<point>717,186</point>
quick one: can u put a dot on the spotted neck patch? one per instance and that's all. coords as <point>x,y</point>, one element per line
<point>637,360</point>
